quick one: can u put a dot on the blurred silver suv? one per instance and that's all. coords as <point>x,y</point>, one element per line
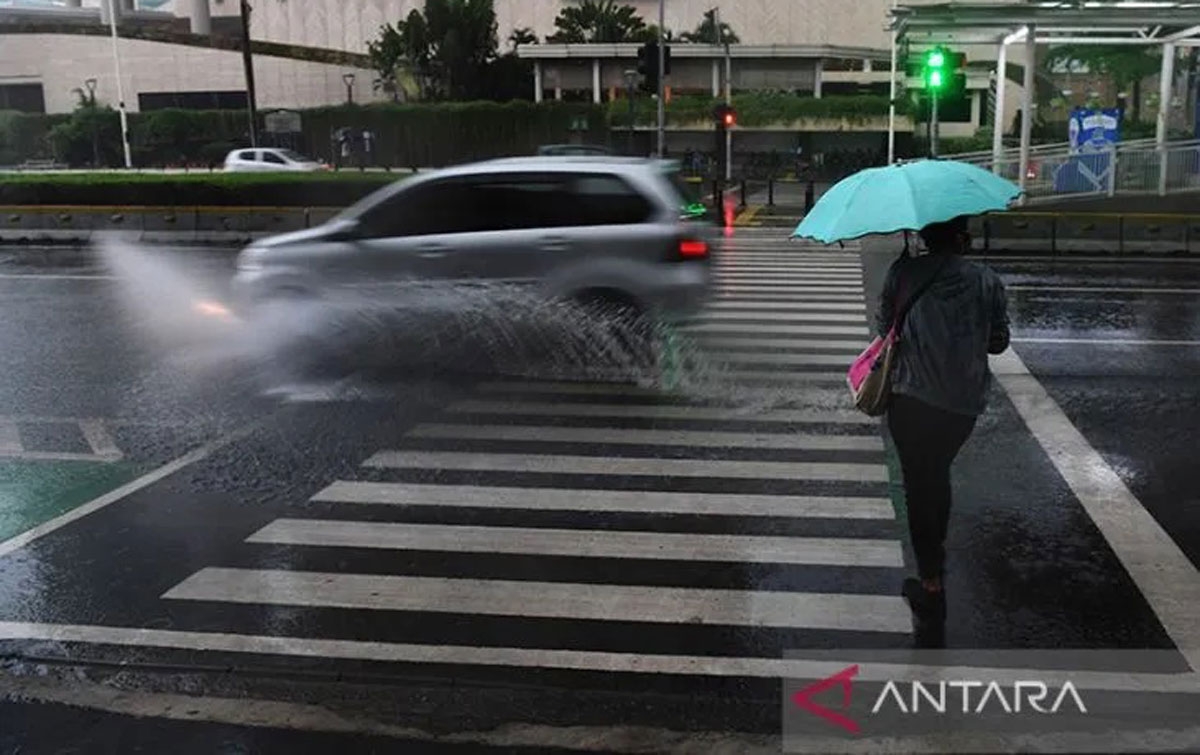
<point>615,231</point>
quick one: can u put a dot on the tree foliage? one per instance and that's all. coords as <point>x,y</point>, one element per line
<point>707,33</point>
<point>522,36</point>
<point>598,21</point>
<point>1127,65</point>
<point>443,52</point>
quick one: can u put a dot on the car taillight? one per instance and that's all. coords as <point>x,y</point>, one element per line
<point>690,249</point>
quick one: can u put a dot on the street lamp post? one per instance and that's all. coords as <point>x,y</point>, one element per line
<point>630,84</point>
<point>91,88</point>
<point>112,23</point>
<point>348,78</point>
<point>662,60</point>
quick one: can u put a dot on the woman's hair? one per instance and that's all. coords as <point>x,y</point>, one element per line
<point>944,236</point>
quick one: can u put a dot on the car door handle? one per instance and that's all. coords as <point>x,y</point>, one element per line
<point>431,252</point>
<point>554,243</point>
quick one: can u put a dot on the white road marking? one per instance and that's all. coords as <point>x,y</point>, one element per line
<point>850,292</point>
<point>785,295</point>
<point>782,330</point>
<point>696,439</point>
<point>797,277</point>
<point>561,600</point>
<point>765,315</point>
<point>612,544</point>
<point>49,276</point>
<point>609,465</point>
<point>10,437</point>
<point>799,306</point>
<point>743,344</point>
<point>830,377</point>
<point>626,411</point>
<point>841,361</point>
<point>585,660</point>
<point>1106,341</point>
<point>56,456</point>
<point>25,538</point>
<point>1164,575</point>
<point>636,501</point>
<point>1104,289</point>
<point>99,439</point>
<point>831,287</point>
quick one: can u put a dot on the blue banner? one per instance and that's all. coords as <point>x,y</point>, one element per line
<point>1092,135</point>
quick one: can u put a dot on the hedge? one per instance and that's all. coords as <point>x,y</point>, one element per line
<point>198,189</point>
<point>755,109</point>
<point>430,134</point>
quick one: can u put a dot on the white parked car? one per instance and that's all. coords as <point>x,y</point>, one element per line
<point>270,159</point>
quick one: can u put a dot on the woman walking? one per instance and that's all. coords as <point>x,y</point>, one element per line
<point>939,388</point>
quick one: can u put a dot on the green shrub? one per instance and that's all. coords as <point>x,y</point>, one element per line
<point>755,109</point>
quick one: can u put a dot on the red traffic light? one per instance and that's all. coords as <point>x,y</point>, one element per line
<point>730,118</point>
<point>725,116</point>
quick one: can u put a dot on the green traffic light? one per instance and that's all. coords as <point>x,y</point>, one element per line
<point>935,79</point>
<point>937,59</point>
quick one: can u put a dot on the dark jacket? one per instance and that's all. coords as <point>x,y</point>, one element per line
<point>962,317</point>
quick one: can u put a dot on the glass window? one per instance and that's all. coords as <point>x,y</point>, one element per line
<point>603,199</point>
<point>271,157</point>
<point>295,157</point>
<point>422,210</point>
<point>246,154</point>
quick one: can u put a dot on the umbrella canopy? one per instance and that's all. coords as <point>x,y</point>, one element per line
<point>904,197</point>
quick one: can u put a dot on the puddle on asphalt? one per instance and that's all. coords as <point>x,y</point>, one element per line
<point>347,348</point>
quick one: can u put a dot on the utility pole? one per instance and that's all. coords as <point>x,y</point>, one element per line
<point>716,15</point>
<point>934,133</point>
<point>248,64</point>
<point>112,24</point>
<point>630,81</point>
<point>662,93</point>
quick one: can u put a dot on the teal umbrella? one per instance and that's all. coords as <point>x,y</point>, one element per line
<point>904,197</point>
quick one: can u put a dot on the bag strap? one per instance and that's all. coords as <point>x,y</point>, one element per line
<point>902,313</point>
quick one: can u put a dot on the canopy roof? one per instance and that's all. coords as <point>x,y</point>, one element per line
<point>1055,22</point>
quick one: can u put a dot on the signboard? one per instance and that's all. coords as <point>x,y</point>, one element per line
<point>1093,135</point>
<point>282,122</point>
<point>1092,131</point>
<point>579,123</point>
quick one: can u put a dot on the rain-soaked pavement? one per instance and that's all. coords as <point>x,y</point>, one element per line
<point>512,561</point>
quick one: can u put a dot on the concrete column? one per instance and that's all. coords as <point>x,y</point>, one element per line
<point>1165,90</point>
<point>976,111</point>
<point>201,17</point>
<point>817,76</point>
<point>558,93</point>
<point>868,65</point>
<point>596,80</point>
<point>537,81</point>
<point>1027,105</point>
<point>1001,105</point>
<point>716,76</point>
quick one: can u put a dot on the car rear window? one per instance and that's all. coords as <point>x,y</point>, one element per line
<point>246,154</point>
<point>605,199</point>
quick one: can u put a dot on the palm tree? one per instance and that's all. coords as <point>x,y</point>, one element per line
<point>706,33</point>
<point>522,36</point>
<point>597,21</point>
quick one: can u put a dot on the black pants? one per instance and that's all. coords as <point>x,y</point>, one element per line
<point>927,439</point>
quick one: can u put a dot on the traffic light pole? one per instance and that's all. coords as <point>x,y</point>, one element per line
<point>934,97</point>
<point>728,91</point>
<point>662,93</point>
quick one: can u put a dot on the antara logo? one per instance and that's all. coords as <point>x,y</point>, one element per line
<point>1019,697</point>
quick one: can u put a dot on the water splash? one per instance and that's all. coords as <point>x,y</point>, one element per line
<point>351,347</point>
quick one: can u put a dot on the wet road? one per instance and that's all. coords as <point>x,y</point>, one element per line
<point>464,553</point>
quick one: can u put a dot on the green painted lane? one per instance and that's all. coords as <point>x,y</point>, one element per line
<point>33,492</point>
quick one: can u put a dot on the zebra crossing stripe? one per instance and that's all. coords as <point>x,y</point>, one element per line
<point>782,330</point>
<point>755,344</point>
<point>797,306</point>
<point>787,296</point>
<point>630,466</point>
<point>768,314</point>
<point>663,412</point>
<point>850,292</point>
<point>841,361</point>
<point>610,544</point>
<point>707,439</point>
<point>549,600</point>
<point>10,437</point>
<point>607,501</point>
